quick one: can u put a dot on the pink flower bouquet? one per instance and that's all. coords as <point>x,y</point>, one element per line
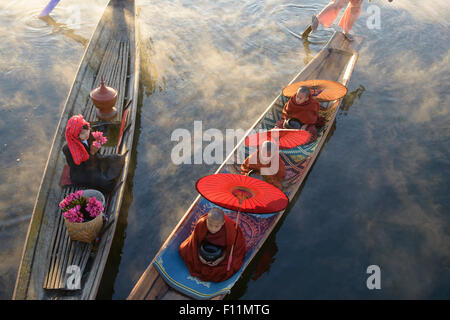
<point>99,139</point>
<point>78,208</point>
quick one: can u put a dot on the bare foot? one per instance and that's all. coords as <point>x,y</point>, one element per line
<point>315,23</point>
<point>348,36</point>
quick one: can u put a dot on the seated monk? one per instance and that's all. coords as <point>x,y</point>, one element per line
<point>207,249</point>
<point>267,162</point>
<point>87,167</point>
<point>304,108</point>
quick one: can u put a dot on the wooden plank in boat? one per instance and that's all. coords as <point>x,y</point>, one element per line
<point>141,290</point>
<point>158,290</point>
<point>113,70</point>
<point>66,252</point>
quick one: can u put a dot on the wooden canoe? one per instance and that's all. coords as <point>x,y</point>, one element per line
<point>49,257</point>
<point>334,62</point>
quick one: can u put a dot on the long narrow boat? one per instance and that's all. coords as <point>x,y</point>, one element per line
<point>167,276</point>
<point>50,259</point>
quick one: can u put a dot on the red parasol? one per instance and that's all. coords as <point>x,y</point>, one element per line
<point>287,138</point>
<point>238,192</point>
<point>242,194</point>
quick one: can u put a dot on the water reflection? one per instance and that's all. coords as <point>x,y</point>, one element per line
<point>259,266</point>
<point>149,73</point>
<point>63,29</point>
<point>307,47</point>
<point>350,98</point>
<point>266,260</point>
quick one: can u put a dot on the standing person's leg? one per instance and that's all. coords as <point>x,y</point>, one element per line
<point>351,14</point>
<point>328,14</point>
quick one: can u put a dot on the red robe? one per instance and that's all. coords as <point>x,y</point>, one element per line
<point>254,164</point>
<point>189,252</point>
<point>306,113</point>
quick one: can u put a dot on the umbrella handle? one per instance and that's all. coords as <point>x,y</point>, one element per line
<point>230,258</point>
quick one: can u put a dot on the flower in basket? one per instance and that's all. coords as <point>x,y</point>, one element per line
<point>99,139</point>
<point>77,208</point>
<point>94,207</point>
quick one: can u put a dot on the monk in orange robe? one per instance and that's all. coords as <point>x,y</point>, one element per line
<point>213,230</point>
<point>262,162</point>
<point>304,108</point>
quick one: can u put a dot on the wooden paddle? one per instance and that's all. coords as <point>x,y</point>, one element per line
<point>307,31</point>
<point>48,8</point>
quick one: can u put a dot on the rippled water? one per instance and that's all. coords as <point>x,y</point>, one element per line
<point>377,194</point>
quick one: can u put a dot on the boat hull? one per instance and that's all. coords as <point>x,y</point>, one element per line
<point>334,62</point>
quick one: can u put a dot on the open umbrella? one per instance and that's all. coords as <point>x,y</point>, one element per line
<point>325,90</point>
<point>287,138</point>
<point>242,194</point>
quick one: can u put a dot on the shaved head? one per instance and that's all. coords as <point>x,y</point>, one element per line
<point>302,95</point>
<point>303,90</point>
<point>215,220</point>
<point>215,214</point>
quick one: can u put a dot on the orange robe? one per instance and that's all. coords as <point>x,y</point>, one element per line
<point>331,11</point>
<point>306,113</point>
<point>189,252</point>
<point>253,163</point>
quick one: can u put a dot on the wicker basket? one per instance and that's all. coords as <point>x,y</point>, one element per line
<point>86,231</point>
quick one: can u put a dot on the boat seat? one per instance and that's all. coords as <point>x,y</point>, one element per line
<point>65,176</point>
<point>107,150</point>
